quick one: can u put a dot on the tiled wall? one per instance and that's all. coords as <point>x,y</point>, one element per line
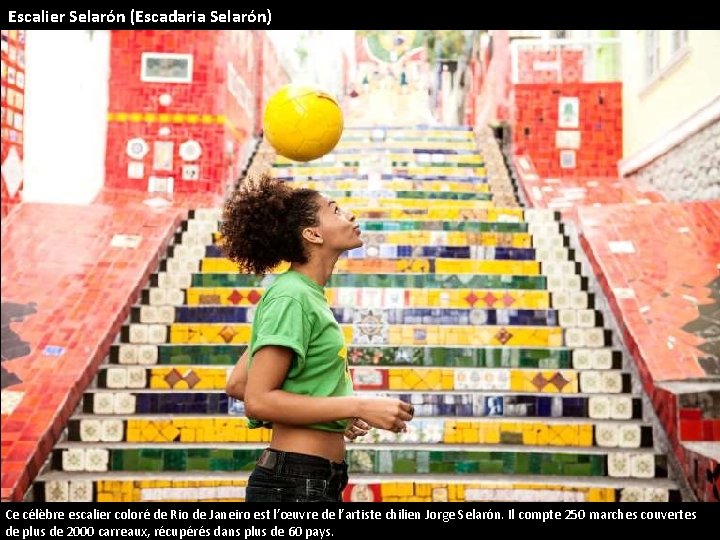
<point>550,66</point>
<point>569,129</point>
<point>193,132</point>
<point>13,108</point>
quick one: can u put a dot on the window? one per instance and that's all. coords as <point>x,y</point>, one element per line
<point>652,53</point>
<point>165,67</point>
<point>679,40</point>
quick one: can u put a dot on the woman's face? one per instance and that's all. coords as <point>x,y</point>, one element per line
<point>337,227</point>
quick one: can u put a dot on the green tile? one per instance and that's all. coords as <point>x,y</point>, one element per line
<point>467,467</point>
<point>490,467</point>
<point>117,462</point>
<point>577,469</point>
<point>175,460</point>
<point>550,468</point>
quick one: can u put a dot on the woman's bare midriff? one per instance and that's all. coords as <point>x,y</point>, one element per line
<point>315,442</point>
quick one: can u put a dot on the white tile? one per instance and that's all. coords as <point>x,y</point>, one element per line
<point>540,242</point>
<point>602,358</point>
<point>112,430</point>
<point>561,300</point>
<point>166,315</point>
<point>90,430</point>
<point>574,337</point>
<point>578,299</point>
<point>57,491</point>
<point>642,465</point>
<point>586,318</point>
<point>148,314</point>
<point>9,400</point>
<point>568,268</point>
<point>116,377</point>
<point>73,460</point>
<point>136,377</point>
<point>147,355</point>
<point>175,266</point>
<point>394,298</point>
<point>629,436</point>
<point>655,495</point>
<point>123,403</point>
<point>139,333</point>
<point>552,269</point>
<point>589,382</point>
<point>607,435</point>
<point>632,494</point>
<point>158,296</point>
<point>582,359</point>
<point>80,491</point>
<point>621,407</point>
<point>371,297</point>
<point>543,254</point>
<point>555,283</point>
<point>619,464</point>
<point>182,280</point>
<point>174,297</point>
<point>163,280</point>
<point>572,282</point>
<point>97,459</point>
<point>621,246</point>
<point>103,403</point>
<point>560,254</point>
<point>347,297</point>
<point>610,382</point>
<point>594,337</point>
<point>599,407</point>
<point>128,354</point>
<point>158,333</point>
<point>568,318</point>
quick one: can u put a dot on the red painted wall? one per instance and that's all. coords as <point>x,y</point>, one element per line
<point>216,110</point>
<point>536,123</point>
<point>12,109</point>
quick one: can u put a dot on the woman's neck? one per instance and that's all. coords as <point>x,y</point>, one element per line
<point>318,269</point>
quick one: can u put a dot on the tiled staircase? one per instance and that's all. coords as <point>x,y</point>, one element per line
<point>460,301</point>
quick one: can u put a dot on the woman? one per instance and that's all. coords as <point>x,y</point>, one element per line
<point>295,378</point>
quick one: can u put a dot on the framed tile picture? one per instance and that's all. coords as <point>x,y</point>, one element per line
<point>166,67</point>
<point>568,159</point>
<point>569,112</point>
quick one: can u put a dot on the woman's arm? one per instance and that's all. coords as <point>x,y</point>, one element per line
<point>265,401</point>
<point>235,386</point>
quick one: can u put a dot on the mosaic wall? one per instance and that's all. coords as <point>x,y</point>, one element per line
<point>183,106</point>
<point>12,108</point>
<point>569,129</point>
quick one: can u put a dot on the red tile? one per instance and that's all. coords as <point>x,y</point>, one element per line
<point>76,301</point>
<point>690,414</point>
<point>691,430</point>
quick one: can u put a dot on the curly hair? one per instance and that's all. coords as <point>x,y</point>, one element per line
<point>263,221</point>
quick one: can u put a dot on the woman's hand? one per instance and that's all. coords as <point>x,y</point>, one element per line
<point>386,413</point>
<point>357,428</point>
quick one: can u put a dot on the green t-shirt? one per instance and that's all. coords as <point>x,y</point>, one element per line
<point>294,313</point>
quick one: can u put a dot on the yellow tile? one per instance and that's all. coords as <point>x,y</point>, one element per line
<point>529,435</point>
<point>585,435</point>
<point>471,435</point>
<point>543,434</point>
<point>492,434</point>
<point>170,433</point>
<point>405,489</point>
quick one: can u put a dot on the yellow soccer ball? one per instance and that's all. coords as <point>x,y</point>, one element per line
<point>302,122</point>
